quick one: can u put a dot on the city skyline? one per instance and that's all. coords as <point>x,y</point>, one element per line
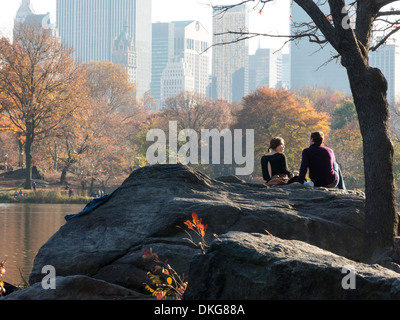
<point>304,71</point>
<point>274,19</point>
<point>91,26</point>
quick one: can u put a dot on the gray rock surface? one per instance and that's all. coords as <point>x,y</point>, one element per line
<point>244,266</point>
<point>107,243</point>
<point>75,288</point>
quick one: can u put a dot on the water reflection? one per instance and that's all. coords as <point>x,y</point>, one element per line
<point>24,228</point>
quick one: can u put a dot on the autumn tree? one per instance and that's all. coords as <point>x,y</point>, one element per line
<point>113,112</point>
<point>154,120</point>
<point>352,44</point>
<point>39,84</point>
<point>13,138</point>
<point>73,140</point>
<point>273,113</point>
<point>94,141</point>
<point>109,86</point>
<point>195,111</point>
<point>322,99</point>
<point>190,111</point>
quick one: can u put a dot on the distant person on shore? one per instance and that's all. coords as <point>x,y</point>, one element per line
<point>274,162</point>
<point>321,164</point>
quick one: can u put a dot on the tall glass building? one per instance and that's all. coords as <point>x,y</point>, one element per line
<point>180,62</point>
<point>230,65</point>
<point>190,43</point>
<point>310,64</point>
<point>91,26</point>
<point>265,69</point>
<point>163,53</point>
<point>387,59</point>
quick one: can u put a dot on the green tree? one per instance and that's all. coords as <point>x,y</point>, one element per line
<point>343,114</point>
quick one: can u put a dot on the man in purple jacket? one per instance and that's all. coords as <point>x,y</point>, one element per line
<point>321,164</point>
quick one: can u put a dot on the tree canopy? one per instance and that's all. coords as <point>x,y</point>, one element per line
<point>39,84</point>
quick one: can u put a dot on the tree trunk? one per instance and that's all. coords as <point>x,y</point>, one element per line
<point>91,187</point>
<point>20,154</point>
<point>64,171</point>
<point>28,160</point>
<point>63,177</point>
<point>369,89</point>
<point>55,156</point>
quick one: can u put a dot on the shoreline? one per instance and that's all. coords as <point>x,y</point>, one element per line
<point>44,197</point>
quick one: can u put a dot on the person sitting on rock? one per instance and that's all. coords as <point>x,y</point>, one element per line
<point>321,164</point>
<point>274,162</point>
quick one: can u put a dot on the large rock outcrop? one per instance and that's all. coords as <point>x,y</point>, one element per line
<point>244,266</point>
<point>144,212</point>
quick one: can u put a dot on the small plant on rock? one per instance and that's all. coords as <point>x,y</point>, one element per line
<point>199,229</point>
<point>165,280</point>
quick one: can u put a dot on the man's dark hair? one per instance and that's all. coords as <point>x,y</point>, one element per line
<point>318,137</point>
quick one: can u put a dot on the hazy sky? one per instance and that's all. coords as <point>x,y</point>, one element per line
<point>275,17</point>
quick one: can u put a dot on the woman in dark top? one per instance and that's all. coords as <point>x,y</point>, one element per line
<point>276,160</point>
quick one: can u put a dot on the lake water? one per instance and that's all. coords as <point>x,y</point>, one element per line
<point>24,228</point>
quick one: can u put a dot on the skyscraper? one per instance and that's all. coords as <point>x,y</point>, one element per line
<point>180,59</point>
<point>177,77</point>
<point>230,61</point>
<point>265,69</point>
<point>163,53</point>
<point>387,59</point>
<point>91,26</point>
<point>124,54</point>
<point>286,71</point>
<point>310,64</point>
<point>191,41</point>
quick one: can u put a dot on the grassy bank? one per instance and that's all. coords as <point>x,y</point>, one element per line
<point>46,196</point>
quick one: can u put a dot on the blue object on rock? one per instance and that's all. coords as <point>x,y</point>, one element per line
<point>95,203</point>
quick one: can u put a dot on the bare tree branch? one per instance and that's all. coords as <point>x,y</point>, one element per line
<point>388,13</point>
<point>320,20</point>
<point>384,39</point>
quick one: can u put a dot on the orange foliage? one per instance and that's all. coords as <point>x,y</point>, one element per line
<point>196,226</point>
